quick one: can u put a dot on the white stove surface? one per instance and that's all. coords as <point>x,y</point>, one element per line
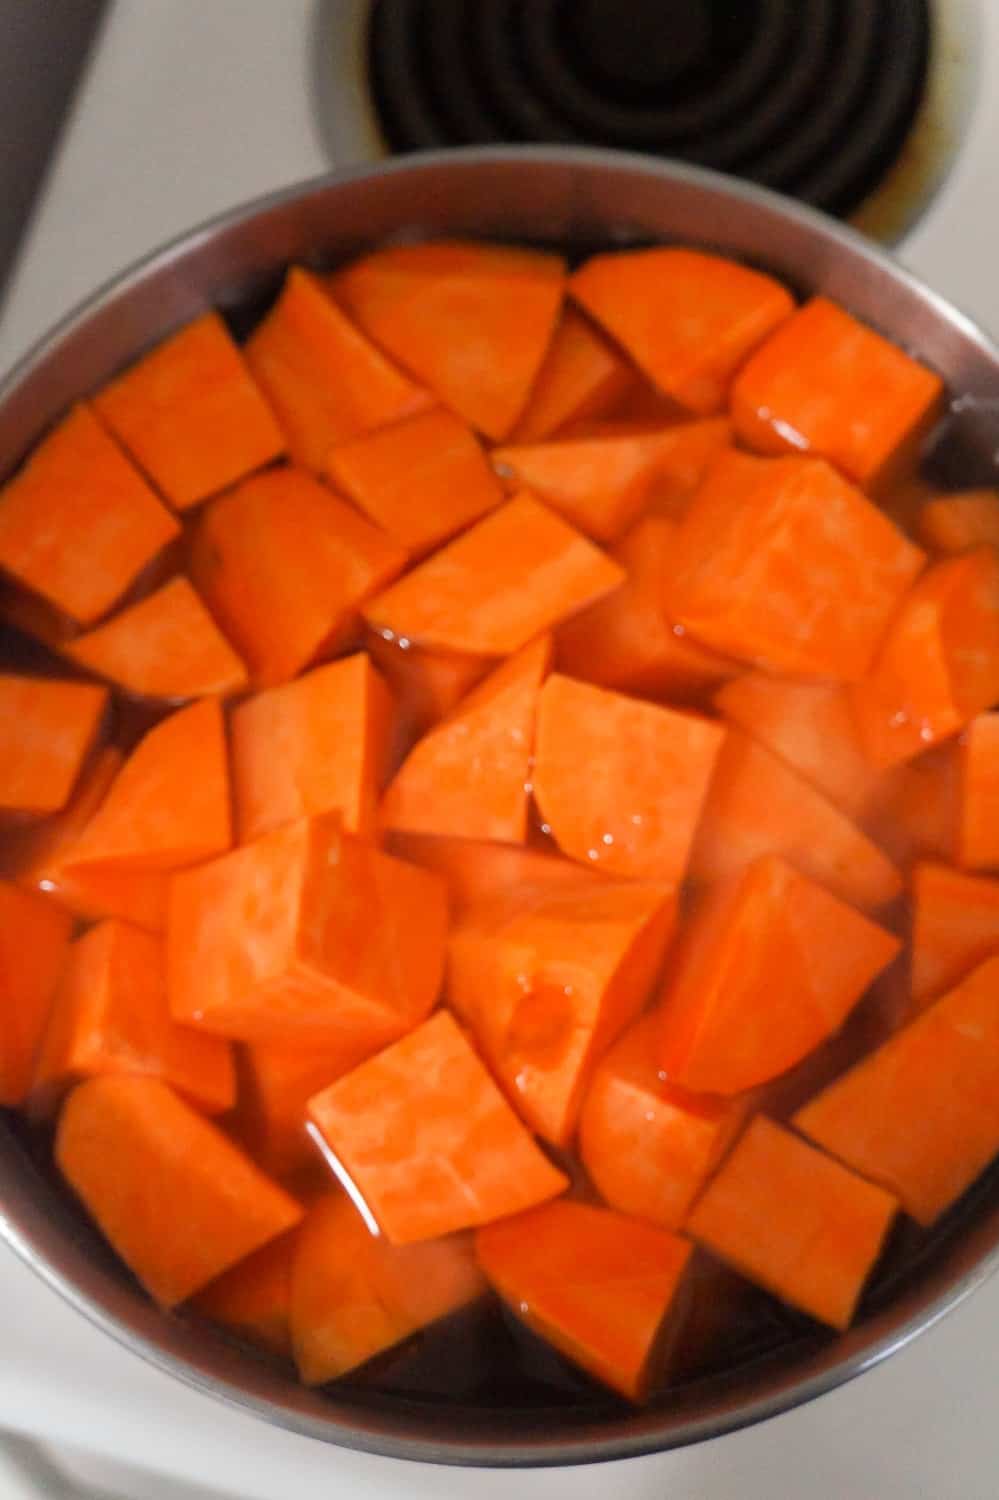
<point>190,107</point>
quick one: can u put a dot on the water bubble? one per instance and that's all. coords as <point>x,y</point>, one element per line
<point>897,720</point>
<point>504,471</point>
<point>525,1308</point>
<point>47,885</point>
<point>608,838</point>
<point>593,853</point>
<point>636,818</point>
<point>528,787</point>
<point>679,630</point>
<point>926,734</point>
<point>546,829</point>
<point>568,991</point>
<point>404,643</point>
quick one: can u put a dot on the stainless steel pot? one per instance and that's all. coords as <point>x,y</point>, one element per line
<point>579,200</point>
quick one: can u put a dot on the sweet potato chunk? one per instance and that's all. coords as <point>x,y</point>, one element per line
<point>316,745</point>
<point>306,933</point>
<point>325,380</point>
<point>78,485</point>
<point>515,574</point>
<point>428,1141</point>
<point>354,1295</point>
<point>770,965</point>
<point>135,1154</point>
<point>826,383</point>
<point>621,783</point>
<point>595,1284</point>
<point>921,1114</point>
<point>165,646</point>
<point>470,774</point>
<point>110,1015</point>
<point>471,321</point>
<point>547,976</point>
<point>766,570</point>
<point>190,414</point>
<point>795,1221</point>
<point>46,729</point>
<point>34,940</point>
<point>284,566</point>
<point>420,480</point>
<point>647,1145</point>
<point>687,319</point>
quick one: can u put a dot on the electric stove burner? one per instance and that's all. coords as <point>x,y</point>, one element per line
<point>812,97</point>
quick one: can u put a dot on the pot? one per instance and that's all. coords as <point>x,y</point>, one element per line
<point>578,201</point>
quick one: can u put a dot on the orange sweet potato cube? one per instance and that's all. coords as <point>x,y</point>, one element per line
<point>420,480</point>
<point>354,1295</point>
<point>955,927</point>
<point>110,1015</point>
<point>78,484</point>
<point>978,819</point>
<point>826,383</point>
<point>795,1221</point>
<point>324,379</point>
<point>284,566</point>
<point>648,1146</point>
<point>687,319</point>
<point>427,1141</point>
<point>770,965</point>
<point>515,573</point>
<point>306,933</point>
<point>766,570</point>
<point>597,1285</point>
<point>546,976</point>
<point>190,414</point>
<point>176,1199</point>
<point>46,729</point>
<point>920,1115</point>
<point>315,745</point>
<point>938,665</point>
<point>34,941</point>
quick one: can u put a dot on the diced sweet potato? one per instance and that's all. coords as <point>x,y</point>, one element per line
<point>469,776</point>
<point>177,1200</point>
<point>325,380</point>
<point>757,805</point>
<point>354,1295</point>
<point>954,523</point>
<point>306,933</point>
<point>938,665</point>
<point>687,319</point>
<point>547,976</point>
<point>582,376</point>
<point>169,805</point>
<point>425,685</point>
<point>597,1285</point>
<point>284,566</point>
<point>40,857</point>
<point>826,383</point>
<point>165,646</point>
<point>253,1298</point>
<point>190,415</point>
<point>978,822</point>
<point>921,1114</point>
<point>627,641</point>
<point>796,1222</point>
<point>420,480</point>
<point>78,523</point>
<point>648,1146</point>
<point>517,573</point>
<point>770,965</point>
<point>916,810</point>
<point>477,872</point>
<point>46,729</point>
<point>311,746</point>
<point>110,1015</point>
<point>471,321</point>
<point>34,939</point>
<point>810,725</point>
<point>955,927</point>
<point>600,483</point>
<point>765,567</point>
<point>276,1082</point>
<point>427,1139</point>
<point>619,782</point>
